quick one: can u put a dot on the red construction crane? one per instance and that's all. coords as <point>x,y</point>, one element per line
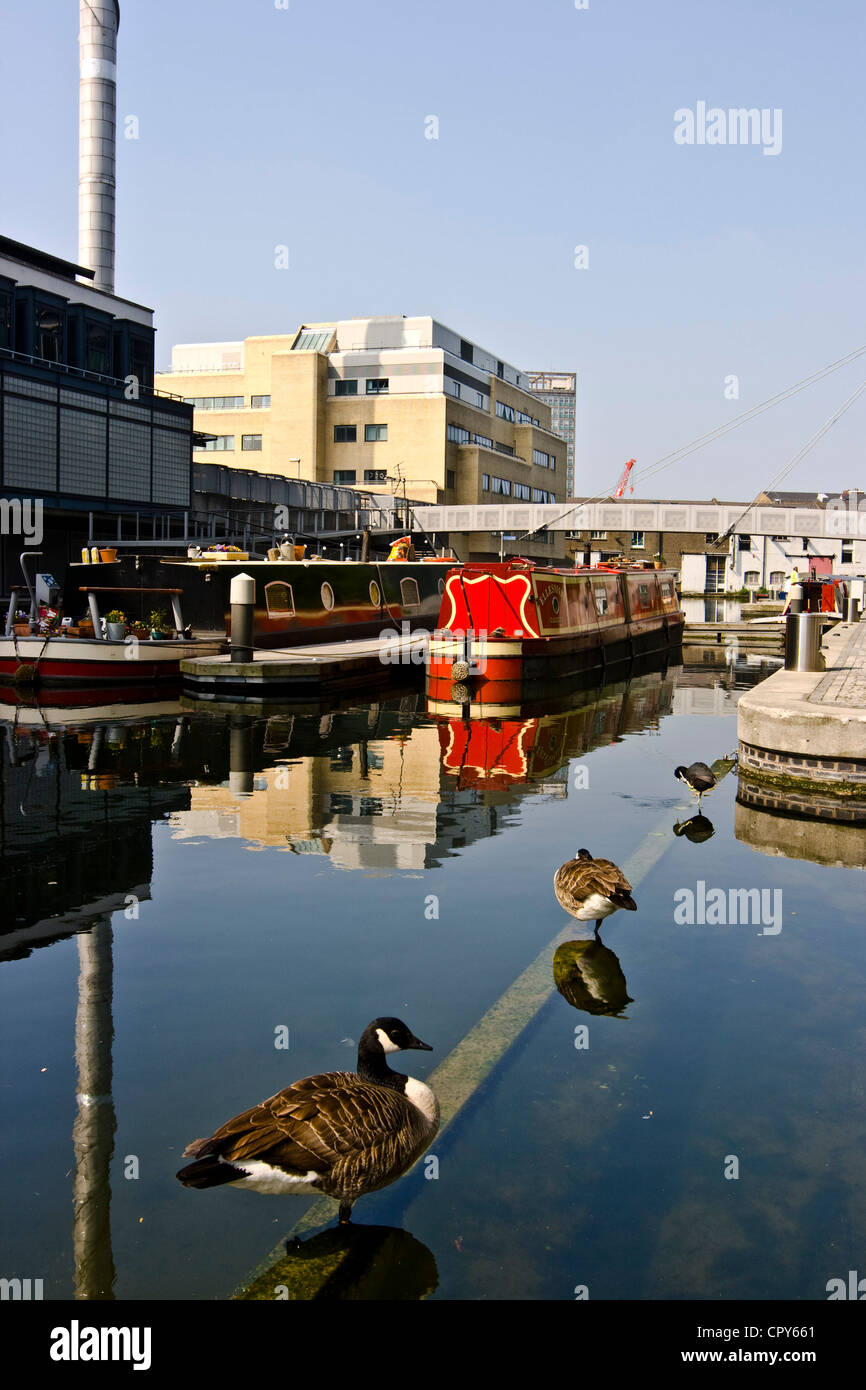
<point>620,487</point>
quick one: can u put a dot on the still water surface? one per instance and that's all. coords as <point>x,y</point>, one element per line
<point>185,885</point>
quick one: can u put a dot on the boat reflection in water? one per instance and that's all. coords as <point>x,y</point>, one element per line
<point>385,787</point>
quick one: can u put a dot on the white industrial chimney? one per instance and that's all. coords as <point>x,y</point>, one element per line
<point>97,120</point>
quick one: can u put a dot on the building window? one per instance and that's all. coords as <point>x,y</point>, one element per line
<point>485,482</point>
<point>409,595</point>
<point>251,442</point>
<point>523,418</point>
<point>598,535</point>
<point>49,333</point>
<point>377,385</point>
<point>260,402</point>
<point>482,439</point>
<point>453,387</point>
<point>457,434</point>
<point>710,537</point>
<point>375,433</point>
<point>777,579</point>
<point>345,388</point>
<point>504,449</point>
<point>465,350</point>
<point>219,443</point>
<point>540,458</point>
<point>327,596</point>
<point>344,477</point>
<point>97,352</point>
<point>744,542</point>
<point>450,478</point>
<point>501,486</point>
<point>637,540</point>
<point>751,579</point>
<point>215,402</point>
<point>375,475</point>
<point>481,400</point>
<point>523,492</point>
<point>5,319</point>
<point>847,556</point>
<point>345,434</point>
<point>505,412</point>
<point>279,600</point>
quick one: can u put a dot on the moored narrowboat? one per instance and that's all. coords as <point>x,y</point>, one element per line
<point>513,632</point>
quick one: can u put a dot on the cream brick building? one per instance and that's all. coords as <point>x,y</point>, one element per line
<point>397,406</point>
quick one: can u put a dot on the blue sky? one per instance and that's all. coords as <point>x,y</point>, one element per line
<point>305,126</point>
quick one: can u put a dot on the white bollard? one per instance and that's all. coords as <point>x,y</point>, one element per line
<point>242,597</point>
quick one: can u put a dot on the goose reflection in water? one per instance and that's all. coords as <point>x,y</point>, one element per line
<point>589,976</point>
<point>350,1262</point>
<point>697,829</point>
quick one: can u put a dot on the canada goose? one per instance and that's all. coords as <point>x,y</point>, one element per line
<point>341,1133</point>
<point>698,776</point>
<point>592,888</point>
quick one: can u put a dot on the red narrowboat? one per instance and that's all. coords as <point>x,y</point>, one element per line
<point>515,632</point>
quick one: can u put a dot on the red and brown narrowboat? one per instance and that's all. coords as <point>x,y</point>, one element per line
<point>515,632</point>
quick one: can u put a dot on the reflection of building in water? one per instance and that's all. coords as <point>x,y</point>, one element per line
<point>407,799</point>
<point>379,804</point>
<point>74,834</point>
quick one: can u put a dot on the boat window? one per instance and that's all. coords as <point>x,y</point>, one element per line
<point>279,600</point>
<point>409,595</point>
<point>554,603</point>
<point>600,595</point>
<point>327,597</point>
<point>375,594</point>
<point>667,590</point>
<point>643,590</point>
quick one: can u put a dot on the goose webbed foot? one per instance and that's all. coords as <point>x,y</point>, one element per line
<point>345,1216</point>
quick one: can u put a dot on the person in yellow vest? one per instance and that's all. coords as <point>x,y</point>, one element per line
<point>403,549</point>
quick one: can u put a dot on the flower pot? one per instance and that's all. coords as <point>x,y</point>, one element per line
<point>116,631</point>
<point>300,551</point>
<point>107,556</point>
<point>156,635</point>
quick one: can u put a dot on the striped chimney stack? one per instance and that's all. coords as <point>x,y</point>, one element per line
<point>97,123</point>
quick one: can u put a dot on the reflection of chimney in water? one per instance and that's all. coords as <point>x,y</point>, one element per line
<point>97,119</point>
<point>93,1131</point>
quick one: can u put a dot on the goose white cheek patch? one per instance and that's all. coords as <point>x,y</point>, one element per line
<point>387,1044</point>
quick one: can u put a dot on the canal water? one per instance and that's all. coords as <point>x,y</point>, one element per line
<point>202,907</point>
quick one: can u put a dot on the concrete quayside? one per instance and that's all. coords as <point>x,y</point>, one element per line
<point>802,734</point>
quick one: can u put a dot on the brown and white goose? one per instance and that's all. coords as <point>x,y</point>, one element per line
<point>591,889</point>
<point>340,1133</point>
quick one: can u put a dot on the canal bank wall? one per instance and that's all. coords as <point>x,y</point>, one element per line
<point>802,734</point>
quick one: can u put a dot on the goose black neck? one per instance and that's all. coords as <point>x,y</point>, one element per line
<point>373,1067</point>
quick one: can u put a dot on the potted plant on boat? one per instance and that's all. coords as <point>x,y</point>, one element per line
<point>115,621</point>
<point>157,625</point>
<point>658,561</point>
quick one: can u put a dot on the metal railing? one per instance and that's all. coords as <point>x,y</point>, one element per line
<point>82,374</point>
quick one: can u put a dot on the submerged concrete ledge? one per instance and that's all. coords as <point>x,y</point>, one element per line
<point>807,729</point>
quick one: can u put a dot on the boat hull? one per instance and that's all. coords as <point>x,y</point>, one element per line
<point>89,661</point>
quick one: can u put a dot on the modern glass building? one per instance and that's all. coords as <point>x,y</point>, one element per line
<point>559,391</point>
